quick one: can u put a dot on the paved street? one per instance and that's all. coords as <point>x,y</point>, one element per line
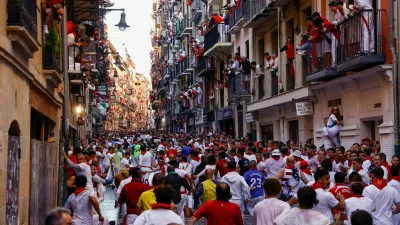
<point>107,208</point>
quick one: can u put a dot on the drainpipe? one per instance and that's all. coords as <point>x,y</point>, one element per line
<point>395,76</point>
<point>65,126</point>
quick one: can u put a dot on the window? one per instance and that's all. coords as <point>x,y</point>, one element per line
<point>267,133</point>
<point>294,131</point>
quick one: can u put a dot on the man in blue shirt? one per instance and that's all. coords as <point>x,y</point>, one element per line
<point>255,179</point>
<point>186,150</point>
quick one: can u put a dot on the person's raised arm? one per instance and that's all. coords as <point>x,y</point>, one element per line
<point>96,207</point>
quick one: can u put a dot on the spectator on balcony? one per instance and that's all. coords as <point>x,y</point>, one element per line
<point>331,40</point>
<point>236,64</point>
<point>245,68</point>
<point>289,48</point>
<point>367,44</point>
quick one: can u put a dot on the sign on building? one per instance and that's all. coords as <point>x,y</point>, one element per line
<point>304,108</point>
<point>251,117</point>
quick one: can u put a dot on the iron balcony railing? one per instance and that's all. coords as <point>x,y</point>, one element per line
<point>360,34</point>
<point>217,34</point>
<point>320,53</point>
<point>239,85</point>
<point>23,13</point>
<point>204,62</point>
<point>238,14</point>
<point>52,45</point>
<point>185,22</point>
<point>254,8</point>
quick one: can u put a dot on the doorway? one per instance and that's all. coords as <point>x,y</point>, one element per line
<point>294,131</point>
<point>267,133</point>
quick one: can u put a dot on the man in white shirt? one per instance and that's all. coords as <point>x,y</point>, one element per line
<point>378,162</point>
<point>145,162</point>
<point>312,158</point>
<point>357,201</point>
<point>81,203</point>
<point>326,200</point>
<point>384,197</point>
<point>357,167</point>
<point>125,162</point>
<point>82,169</point>
<point>274,164</point>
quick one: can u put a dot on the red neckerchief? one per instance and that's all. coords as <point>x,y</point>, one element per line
<point>276,158</point>
<point>358,170</point>
<point>196,158</point>
<point>260,160</point>
<point>316,185</point>
<point>368,158</point>
<point>287,154</point>
<point>341,11</point>
<point>343,161</point>
<point>163,171</point>
<point>306,171</point>
<point>396,178</point>
<point>242,157</point>
<point>160,206</point>
<point>314,154</point>
<point>291,167</point>
<point>249,154</point>
<point>356,196</point>
<point>380,183</point>
<point>142,152</point>
<point>332,159</point>
<point>79,190</point>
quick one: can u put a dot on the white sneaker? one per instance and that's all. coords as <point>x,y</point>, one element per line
<point>45,29</point>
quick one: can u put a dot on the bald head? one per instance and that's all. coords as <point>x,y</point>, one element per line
<point>95,161</point>
<point>223,191</point>
<point>290,160</point>
<point>209,174</point>
<point>158,179</point>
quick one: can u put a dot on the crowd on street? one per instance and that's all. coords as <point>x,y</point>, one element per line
<point>164,178</point>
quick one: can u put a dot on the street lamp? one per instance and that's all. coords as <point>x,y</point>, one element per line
<point>79,109</point>
<point>122,23</point>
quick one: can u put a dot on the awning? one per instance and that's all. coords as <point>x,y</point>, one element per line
<point>293,95</point>
<point>219,50</point>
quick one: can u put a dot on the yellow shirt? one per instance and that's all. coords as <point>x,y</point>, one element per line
<point>146,199</point>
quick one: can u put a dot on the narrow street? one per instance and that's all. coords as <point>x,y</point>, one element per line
<point>108,210</point>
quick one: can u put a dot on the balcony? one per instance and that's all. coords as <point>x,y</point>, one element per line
<point>239,87</point>
<point>361,42</point>
<point>259,11</point>
<point>186,26</point>
<point>204,66</point>
<point>236,20</point>
<point>321,63</point>
<point>197,10</point>
<point>217,42</point>
<point>52,52</point>
<point>281,3</point>
<point>22,26</point>
<point>188,69</point>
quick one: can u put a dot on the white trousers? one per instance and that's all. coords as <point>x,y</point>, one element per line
<point>238,202</point>
<point>368,31</point>
<point>181,205</point>
<point>130,219</point>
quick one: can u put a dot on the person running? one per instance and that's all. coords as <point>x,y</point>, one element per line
<point>130,195</point>
<point>206,189</point>
<point>326,201</point>
<point>239,188</point>
<point>254,178</point>
<point>357,201</point>
<point>81,203</point>
<point>161,213</point>
<point>304,214</point>
<point>219,211</point>
<point>383,196</point>
<point>274,164</point>
<point>145,162</point>
<point>81,169</point>
<point>148,198</point>
<point>263,213</point>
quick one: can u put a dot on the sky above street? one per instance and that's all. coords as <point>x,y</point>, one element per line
<point>137,37</point>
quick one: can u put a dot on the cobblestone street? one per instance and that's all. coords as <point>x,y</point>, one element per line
<point>107,208</point>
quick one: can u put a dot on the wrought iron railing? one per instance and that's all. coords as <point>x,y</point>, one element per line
<point>361,34</point>
<point>204,62</point>
<point>52,45</point>
<point>217,34</point>
<point>23,13</point>
<point>255,7</point>
<point>185,22</point>
<point>238,14</point>
<point>239,85</point>
<point>320,53</point>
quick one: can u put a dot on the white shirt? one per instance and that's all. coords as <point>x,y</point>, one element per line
<point>250,157</point>
<point>366,164</point>
<point>272,167</point>
<point>385,173</point>
<point>159,217</point>
<point>355,203</point>
<point>186,167</point>
<point>160,148</point>
<point>383,200</point>
<point>264,214</point>
<point>107,159</point>
<point>363,174</point>
<point>326,201</point>
<point>335,165</point>
<point>194,164</point>
<point>297,216</point>
<point>81,207</point>
<point>125,163</point>
<point>396,185</point>
<point>83,169</point>
<point>313,162</point>
<point>145,160</point>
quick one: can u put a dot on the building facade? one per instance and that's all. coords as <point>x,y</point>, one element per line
<point>353,72</point>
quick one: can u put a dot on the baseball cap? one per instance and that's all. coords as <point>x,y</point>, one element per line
<point>276,152</point>
<point>303,164</point>
<point>297,153</point>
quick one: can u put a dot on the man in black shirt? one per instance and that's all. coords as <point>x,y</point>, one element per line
<point>246,70</point>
